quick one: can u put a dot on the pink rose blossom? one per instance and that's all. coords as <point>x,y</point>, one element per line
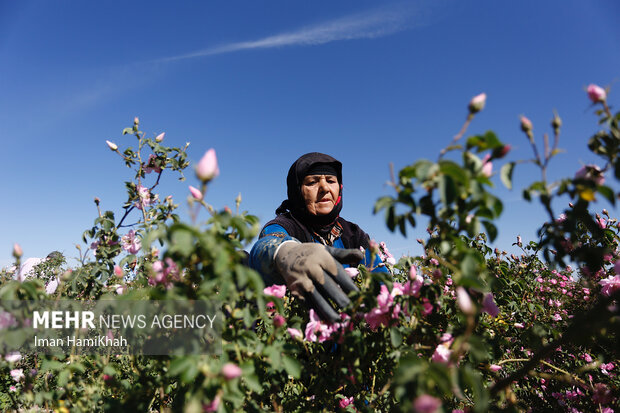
<point>278,320</point>
<point>151,166</point>
<point>384,299</point>
<point>602,394</point>
<point>231,371</point>
<point>275,290</point>
<point>495,367</point>
<point>557,317</point>
<point>464,301</point>
<point>601,223</point>
<point>415,283</point>
<point>353,272</point>
<point>487,166</point>
<point>489,306</point>
<point>442,354</point>
<point>610,285</point>
<point>12,388</point>
<point>596,93</point>
<point>518,325</point>
<point>213,406</point>
<point>195,193</point>
<point>294,333</point>
<point>317,329</point>
<point>376,318</point>
<point>118,271</point>
<point>591,172</point>
<point>426,404</point>
<point>17,374</point>
<point>165,272</point>
<point>160,137</point>
<point>343,403</point>
<point>207,168</point>
<point>145,197</point>
<point>131,243</point>
<point>427,307</point>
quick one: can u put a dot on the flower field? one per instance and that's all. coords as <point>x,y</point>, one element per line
<point>465,327</point>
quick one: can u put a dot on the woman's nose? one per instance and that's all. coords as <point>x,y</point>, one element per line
<point>323,184</point>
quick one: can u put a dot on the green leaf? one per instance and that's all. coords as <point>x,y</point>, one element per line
<point>491,230</point>
<point>395,337</point>
<point>127,130</point>
<point>182,241</point>
<point>480,392</point>
<point>390,218</point>
<point>454,171</point>
<point>506,174</point>
<point>292,366</point>
<point>469,266</point>
<point>483,142</point>
<point>423,169</point>
<point>253,383</point>
<point>608,193</point>
<point>185,367</point>
<point>447,190</point>
<point>382,203</point>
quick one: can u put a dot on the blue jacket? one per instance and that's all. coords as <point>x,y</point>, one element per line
<point>284,226</point>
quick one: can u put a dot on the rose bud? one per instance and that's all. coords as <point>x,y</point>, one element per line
<point>477,103</point>
<point>596,93</point>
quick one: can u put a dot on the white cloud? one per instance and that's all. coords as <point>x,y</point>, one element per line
<point>366,25</point>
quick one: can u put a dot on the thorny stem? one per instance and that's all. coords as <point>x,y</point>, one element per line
<point>607,111</point>
<point>392,177</point>
<point>573,376</point>
<point>459,135</point>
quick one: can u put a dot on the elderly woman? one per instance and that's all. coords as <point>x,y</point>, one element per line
<point>307,243</point>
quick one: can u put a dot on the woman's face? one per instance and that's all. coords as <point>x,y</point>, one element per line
<point>320,193</point>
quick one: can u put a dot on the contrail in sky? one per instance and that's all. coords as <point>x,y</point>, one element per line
<point>365,25</point>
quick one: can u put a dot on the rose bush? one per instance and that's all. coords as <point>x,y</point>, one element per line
<point>464,327</point>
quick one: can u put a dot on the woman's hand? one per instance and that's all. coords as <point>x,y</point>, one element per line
<point>313,272</point>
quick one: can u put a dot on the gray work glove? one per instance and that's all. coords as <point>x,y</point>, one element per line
<point>313,272</point>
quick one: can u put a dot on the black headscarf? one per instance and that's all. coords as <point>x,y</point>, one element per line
<point>296,203</point>
<point>294,217</point>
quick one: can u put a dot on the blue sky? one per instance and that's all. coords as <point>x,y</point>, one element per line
<point>263,82</point>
